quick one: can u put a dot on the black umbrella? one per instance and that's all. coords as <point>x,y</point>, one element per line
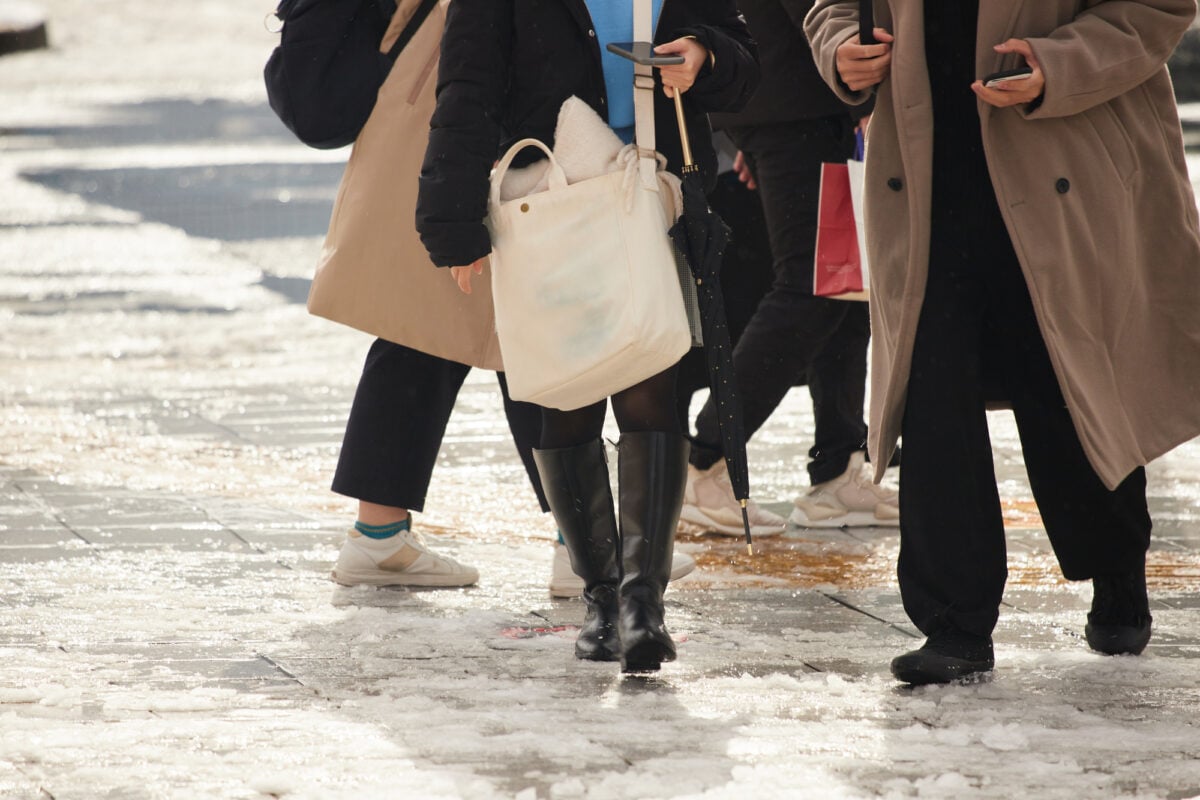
<point>701,237</point>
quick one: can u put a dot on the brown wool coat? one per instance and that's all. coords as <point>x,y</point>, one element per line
<point>1094,190</point>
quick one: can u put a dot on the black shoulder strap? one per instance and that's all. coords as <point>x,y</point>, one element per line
<point>414,25</point>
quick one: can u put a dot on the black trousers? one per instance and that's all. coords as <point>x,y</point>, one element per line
<point>978,340</point>
<point>792,335</point>
<point>746,276</point>
<point>401,407</point>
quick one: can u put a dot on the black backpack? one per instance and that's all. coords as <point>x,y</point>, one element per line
<point>323,78</point>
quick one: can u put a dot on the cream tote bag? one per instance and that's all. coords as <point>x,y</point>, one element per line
<point>584,283</point>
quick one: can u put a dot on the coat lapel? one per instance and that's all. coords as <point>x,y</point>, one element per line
<point>997,20</point>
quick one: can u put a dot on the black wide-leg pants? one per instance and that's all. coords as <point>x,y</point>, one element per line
<point>401,407</point>
<point>978,340</point>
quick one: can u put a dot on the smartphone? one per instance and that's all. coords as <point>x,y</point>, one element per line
<point>643,53</point>
<point>997,78</point>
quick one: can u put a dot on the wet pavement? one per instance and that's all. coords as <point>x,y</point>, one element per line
<point>170,417</point>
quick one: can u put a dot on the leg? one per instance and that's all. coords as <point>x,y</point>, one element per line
<point>525,424</point>
<point>1096,533</point>
<point>837,384</point>
<point>652,470</point>
<point>574,473</point>
<point>746,275</point>
<point>401,407</point>
<point>952,564</point>
<point>789,327</point>
<point>395,430</point>
<point>580,496</point>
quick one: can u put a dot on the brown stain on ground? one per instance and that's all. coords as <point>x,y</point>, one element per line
<point>794,560</point>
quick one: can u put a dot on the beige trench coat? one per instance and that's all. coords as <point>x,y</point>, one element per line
<point>374,274</point>
<point>1094,190</point>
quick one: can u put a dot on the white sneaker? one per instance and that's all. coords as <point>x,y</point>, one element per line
<point>708,502</point>
<point>848,501</point>
<point>400,560</point>
<point>565,583</point>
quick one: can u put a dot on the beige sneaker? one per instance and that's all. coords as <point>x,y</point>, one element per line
<point>565,583</point>
<point>708,502</point>
<point>848,501</point>
<point>400,560</point>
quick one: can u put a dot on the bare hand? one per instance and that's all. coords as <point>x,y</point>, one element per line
<point>862,66</point>
<point>682,76</point>
<point>462,275</point>
<point>1018,92</point>
<point>743,171</point>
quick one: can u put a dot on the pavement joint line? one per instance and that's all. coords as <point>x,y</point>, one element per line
<point>41,504</point>
<point>852,607</point>
<point>277,666</point>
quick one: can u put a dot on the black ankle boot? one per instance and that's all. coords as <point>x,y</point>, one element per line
<point>1119,622</point>
<point>575,480</point>
<point>652,473</point>
<point>946,656</point>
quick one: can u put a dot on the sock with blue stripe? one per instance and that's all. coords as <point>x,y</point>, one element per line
<point>383,531</point>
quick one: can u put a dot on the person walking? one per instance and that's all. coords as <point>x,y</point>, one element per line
<point>1033,241</point>
<point>505,70</point>
<point>790,127</point>
<point>409,386</point>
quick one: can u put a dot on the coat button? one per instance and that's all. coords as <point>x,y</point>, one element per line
<point>592,34</point>
<point>1062,185</point>
<point>895,184</point>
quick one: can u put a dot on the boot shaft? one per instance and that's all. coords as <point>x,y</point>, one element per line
<point>578,491</point>
<point>652,475</point>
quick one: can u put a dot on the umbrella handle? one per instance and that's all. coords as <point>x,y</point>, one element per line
<point>683,133</point>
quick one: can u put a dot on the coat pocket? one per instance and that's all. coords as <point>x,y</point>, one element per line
<point>1113,139</point>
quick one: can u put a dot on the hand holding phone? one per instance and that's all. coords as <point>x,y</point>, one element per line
<point>1013,87</point>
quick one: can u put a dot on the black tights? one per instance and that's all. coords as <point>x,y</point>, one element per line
<point>643,407</point>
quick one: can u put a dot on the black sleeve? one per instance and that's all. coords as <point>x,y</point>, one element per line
<point>465,131</point>
<point>734,75</point>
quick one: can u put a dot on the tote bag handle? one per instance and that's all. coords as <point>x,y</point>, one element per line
<point>558,178</point>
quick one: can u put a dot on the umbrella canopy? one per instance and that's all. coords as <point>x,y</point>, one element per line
<point>701,237</point>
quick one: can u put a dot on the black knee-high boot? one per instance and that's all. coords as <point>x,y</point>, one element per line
<point>652,473</point>
<point>576,483</point>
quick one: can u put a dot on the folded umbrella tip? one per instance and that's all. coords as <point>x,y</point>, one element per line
<point>746,525</point>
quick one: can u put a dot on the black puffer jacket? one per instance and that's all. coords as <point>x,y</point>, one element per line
<point>505,69</point>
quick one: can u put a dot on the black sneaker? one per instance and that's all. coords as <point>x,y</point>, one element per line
<point>946,656</point>
<point>1119,622</point>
